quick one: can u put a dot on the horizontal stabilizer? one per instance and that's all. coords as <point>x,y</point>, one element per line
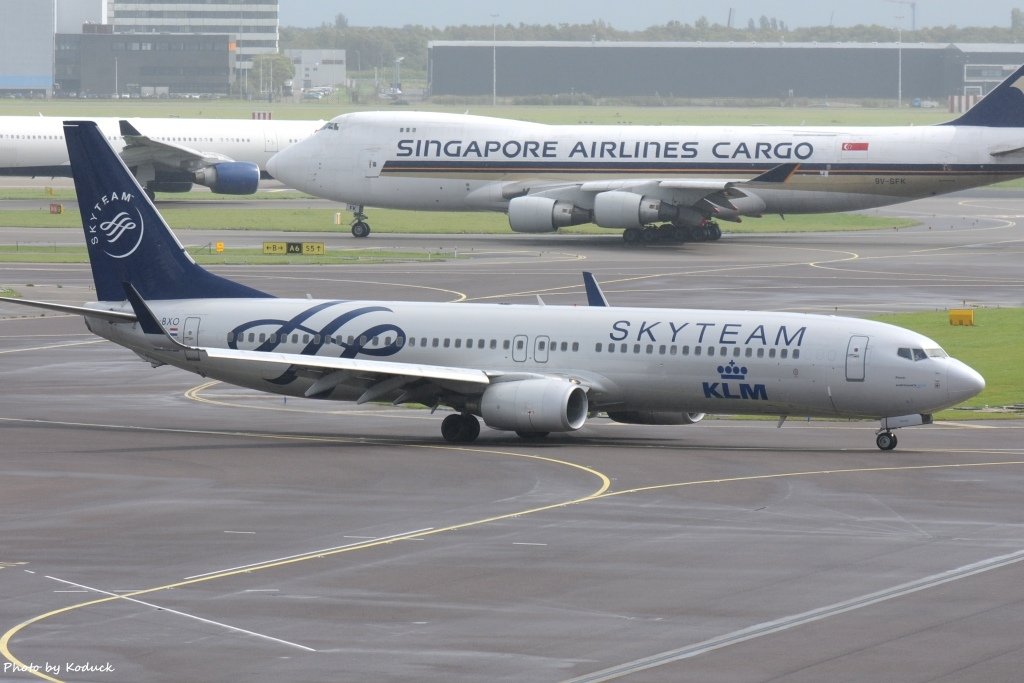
<point>112,316</point>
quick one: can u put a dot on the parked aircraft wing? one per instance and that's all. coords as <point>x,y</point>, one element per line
<point>217,171</point>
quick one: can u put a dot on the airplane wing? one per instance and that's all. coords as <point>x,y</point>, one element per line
<point>725,199</point>
<point>169,163</point>
<point>140,150</point>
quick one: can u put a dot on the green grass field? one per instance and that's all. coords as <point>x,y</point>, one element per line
<point>284,220</point>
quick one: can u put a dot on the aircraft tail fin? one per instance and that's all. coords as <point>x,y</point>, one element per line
<point>1003,107</point>
<point>127,238</point>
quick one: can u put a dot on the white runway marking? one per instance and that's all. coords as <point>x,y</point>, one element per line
<point>792,621</point>
<point>186,615</point>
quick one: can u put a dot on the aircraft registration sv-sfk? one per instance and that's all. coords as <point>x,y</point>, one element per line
<point>529,369</point>
<point>166,155</point>
<point>653,182</point>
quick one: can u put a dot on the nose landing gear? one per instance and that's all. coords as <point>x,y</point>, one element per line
<point>885,441</point>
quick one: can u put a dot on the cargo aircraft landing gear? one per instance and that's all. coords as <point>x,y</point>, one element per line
<point>671,232</point>
<point>360,228</point>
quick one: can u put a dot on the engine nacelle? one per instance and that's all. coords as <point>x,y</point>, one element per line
<point>535,405</point>
<point>544,214</point>
<point>617,209</point>
<point>230,177</point>
<point>654,417</point>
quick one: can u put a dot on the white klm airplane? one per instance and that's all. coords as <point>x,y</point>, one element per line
<point>166,155</point>
<point>528,369</point>
<point>653,182</point>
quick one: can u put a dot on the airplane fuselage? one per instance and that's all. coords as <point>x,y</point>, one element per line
<point>657,360</point>
<point>450,162</point>
<point>34,145</point>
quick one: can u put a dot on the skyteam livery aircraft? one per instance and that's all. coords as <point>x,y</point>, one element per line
<point>528,369</point>
<point>166,155</point>
<point>653,182</point>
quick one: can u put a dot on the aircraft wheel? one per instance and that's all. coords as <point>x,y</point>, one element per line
<point>886,441</point>
<point>360,229</point>
<point>531,436</point>
<point>631,235</point>
<point>714,232</point>
<point>649,236</point>
<point>698,233</point>
<point>679,233</point>
<point>457,428</point>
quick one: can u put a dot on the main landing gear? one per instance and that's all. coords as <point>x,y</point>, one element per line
<point>460,428</point>
<point>464,428</point>
<point>360,228</point>
<point>670,232</point>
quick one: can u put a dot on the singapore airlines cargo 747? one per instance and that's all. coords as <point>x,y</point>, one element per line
<point>166,155</point>
<point>528,369</point>
<point>653,182</point>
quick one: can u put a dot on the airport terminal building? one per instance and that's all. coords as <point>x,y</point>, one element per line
<point>717,70</point>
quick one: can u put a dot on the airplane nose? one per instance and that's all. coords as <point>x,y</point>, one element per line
<point>963,381</point>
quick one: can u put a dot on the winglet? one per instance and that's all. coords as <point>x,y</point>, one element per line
<point>595,297</point>
<point>127,129</point>
<point>777,174</point>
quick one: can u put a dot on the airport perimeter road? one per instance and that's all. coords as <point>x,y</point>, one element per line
<point>157,527</point>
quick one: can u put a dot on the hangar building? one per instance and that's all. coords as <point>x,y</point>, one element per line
<point>712,70</point>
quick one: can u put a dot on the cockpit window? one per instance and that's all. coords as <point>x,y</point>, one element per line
<point>920,354</point>
<point>330,125</point>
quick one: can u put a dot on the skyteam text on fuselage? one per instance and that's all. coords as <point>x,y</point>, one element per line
<point>166,155</point>
<point>652,182</point>
<point>528,369</point>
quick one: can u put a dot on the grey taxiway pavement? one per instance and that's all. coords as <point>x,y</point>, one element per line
<point>154,526</point>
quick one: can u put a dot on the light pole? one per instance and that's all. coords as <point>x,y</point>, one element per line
<point>494,60</point>
<point>398,71</point>
<point>899,69</point>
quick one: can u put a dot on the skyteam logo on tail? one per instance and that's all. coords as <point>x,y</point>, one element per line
<point>731,385</point>
<point>116,225</point>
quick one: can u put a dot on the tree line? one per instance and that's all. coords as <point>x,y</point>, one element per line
<point>378,46</point>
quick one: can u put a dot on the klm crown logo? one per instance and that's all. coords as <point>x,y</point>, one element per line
<point>732,371</point>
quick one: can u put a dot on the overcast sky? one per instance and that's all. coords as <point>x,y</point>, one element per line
<point>640,14</point>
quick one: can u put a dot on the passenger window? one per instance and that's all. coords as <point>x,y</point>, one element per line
<point>623,347</point>
<point>760,352</point>
<point>771,353</point>
<point>598,347</point>
<point>506,345</point>
<point>575,346</point>
<point>749,352</point>
<point>447,342</point>
<point>784,353</point>
<point>796,353</point>
<point>636,348</point>
<point>434,342</point>
<point>650,349</point>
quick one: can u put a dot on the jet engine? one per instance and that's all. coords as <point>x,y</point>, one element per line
<point>654,417</point>
<point>543,214</point>
<point>618,209</point>
<point>535,405</point>
<point>230,177</point>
